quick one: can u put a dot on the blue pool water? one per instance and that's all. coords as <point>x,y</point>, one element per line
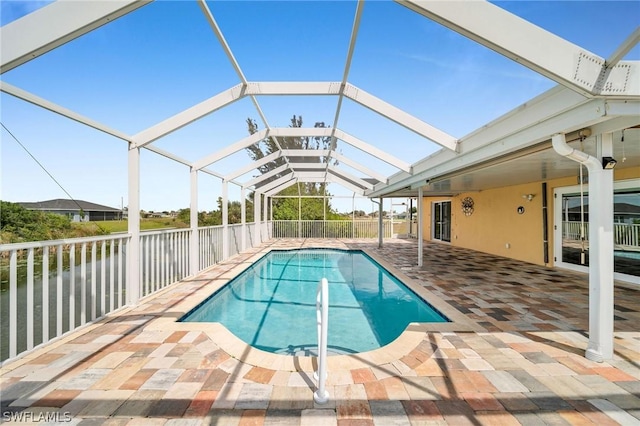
<point>271,305</point>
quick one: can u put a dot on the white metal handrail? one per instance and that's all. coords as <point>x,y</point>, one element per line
<point>321,396</point>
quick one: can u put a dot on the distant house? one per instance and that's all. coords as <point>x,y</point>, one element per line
<point>77,211</point>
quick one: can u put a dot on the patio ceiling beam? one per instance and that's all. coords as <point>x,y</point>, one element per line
<point>230,149</point>
<point>346,175</point>
<point>359,167</point>
<point>282,188</point>
<point>276,183</point>
<point>188,116</point>
<point>255,88</point>
<point>266,176</point>
<point>304,152</point>
<point>310,176</point>
<point>401,117</point>
<point>623,49</point>
<point>254,165</point>
<point>531,46</point>
<point>372,150</point>
<point>54,25</point>
<point>314,166</point>
<point>338,180</point>
<point>43,103</point>
<point>300,132</point>
<point>345,76</point>
<point>236,66</point>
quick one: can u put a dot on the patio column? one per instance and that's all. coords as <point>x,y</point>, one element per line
<point>420,224</point>
<point>265,214</point>
<point>299,214</point>
<point>601,255</point>
<point>225,219</point>
<point>380,224</point>
<point>243,217</point>
<point>600,346</point>
<point>194,243</point>
<point>256,219</point>
<point>133,224</point>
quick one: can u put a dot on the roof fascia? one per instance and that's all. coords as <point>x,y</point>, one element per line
<point>54,25</point>
<point>584,115</point>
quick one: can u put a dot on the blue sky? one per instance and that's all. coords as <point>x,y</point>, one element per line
<point>163,58</point>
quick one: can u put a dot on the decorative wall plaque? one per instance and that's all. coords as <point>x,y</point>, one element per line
<point>467,206</point>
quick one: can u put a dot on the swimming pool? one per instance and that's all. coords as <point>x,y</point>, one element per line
<point>271,305</point>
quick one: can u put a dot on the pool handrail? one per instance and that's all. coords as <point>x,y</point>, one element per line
<point>321,396</point>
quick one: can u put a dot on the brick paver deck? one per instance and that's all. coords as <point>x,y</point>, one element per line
<point>523,364</point>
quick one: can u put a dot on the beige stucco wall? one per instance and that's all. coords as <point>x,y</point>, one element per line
<point>496,227</point>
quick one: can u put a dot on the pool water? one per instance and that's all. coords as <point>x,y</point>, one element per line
<point>271,305</point>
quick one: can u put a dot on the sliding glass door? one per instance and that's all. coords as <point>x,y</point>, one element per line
<point>572,229</point>
<point>441,221</point>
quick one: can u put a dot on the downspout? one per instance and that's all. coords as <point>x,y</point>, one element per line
<point>601,271</point>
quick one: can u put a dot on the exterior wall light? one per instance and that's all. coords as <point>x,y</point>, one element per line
<point>528,197</point>
<point>608,163</point>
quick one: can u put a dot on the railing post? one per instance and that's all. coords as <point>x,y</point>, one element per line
<point>133,254</point>
<point>265,214</point>
<point>243,218</point>
<point>420,227</point>
<point>256,218</point>
<point>194,243</point>
<point>321,396</point>
<point>225,220</point>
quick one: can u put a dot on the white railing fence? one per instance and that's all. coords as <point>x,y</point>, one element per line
<point>329,229</point>
<point>626,235</point>
<point>164,258</point>
<point>209,246</point>
<point>52,287</point>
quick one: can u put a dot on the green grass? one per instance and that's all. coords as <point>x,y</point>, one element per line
<point>111,226</point>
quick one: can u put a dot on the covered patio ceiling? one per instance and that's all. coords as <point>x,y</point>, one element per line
<point>593,94</point>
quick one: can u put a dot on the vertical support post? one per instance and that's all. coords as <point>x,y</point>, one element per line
<point>243,217</point>
<point>353,216</point>
<point>380,224</point>
<point>299,214</point>
<point>225,219</point>
<point>194,243</point>
<point>601,271</point>
<point>133,223</point>
<point>256,218</point>
<point>420,224</point>
<point>265,214</point>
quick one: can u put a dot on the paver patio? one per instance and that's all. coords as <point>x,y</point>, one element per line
<point>521,363</point>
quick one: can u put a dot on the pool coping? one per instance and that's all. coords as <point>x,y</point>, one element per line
<point>408,340</point>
